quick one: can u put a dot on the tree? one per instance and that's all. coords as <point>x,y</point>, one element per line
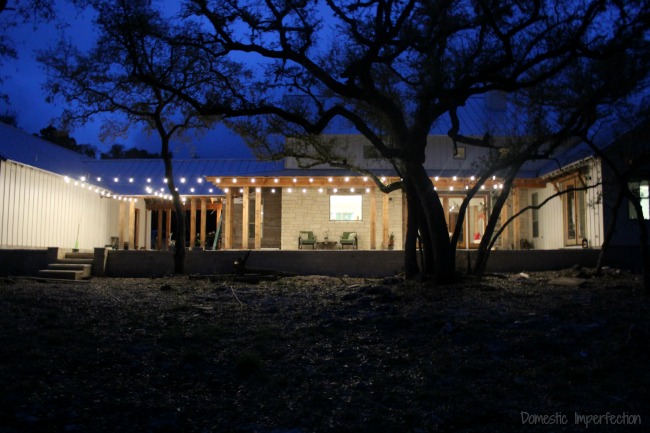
<point>63,139</point>
<point>117,151</point>
<point>628,163</point>
<point>391,69</point>
<point>10,118</point>
<point>102,81</point>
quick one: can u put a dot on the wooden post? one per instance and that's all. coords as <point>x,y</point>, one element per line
<point>159,242</point>
<point>169,227</point>
<point>203,215</point>
<point>131,225</point>
<point>385,220</point>
<point>405,215</point>
<point>373,219</point>
<point>218,212</point>
<point>505,236</point>
<point>258,218</point>
<point>245,219</point>
<point>120,226</point>
<point>192,222</point>
<point>227,229</point>
<point>517,221</point>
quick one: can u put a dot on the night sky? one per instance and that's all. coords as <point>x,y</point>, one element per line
<point>23,80</point>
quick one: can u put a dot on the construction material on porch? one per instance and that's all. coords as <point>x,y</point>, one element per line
<point>75,266</point>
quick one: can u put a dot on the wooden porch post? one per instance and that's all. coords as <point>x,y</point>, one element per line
<point>169,227</point>
<point>373,219</point>
<point>120,225</point>
<point>258,218</point>
<point>245,219</point>
<point>505,236</point>
<point>227,230</point>
<point>159,243</point>
<point>131,225</point>
<point>192,222</point>
<point>218,213</point>
<point>384,209</point>
<point>203,215</point>
<point>517,221</point>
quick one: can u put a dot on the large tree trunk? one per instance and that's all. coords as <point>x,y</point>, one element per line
<point>610,231</point>
<point>179,249</point>
<point>643,239</point>
<point>435,236</point>
<point>485,246</point>
<point>411,268</point>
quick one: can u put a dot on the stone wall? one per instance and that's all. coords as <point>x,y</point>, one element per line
<point>309,211</point>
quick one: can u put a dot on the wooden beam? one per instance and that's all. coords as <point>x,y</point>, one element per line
<point>245,218</point>
<point>342,182</point>
<point>214,204</point>
<point>373,219</point>
<point>192,222</point>
<point>227,229</point>
<point>258,218</point>
<point>203,221</point>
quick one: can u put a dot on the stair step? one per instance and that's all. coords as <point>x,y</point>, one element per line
<point>62,274</point>
<point>76,261</point>
<point>86,268</point>
<point>79,255</point>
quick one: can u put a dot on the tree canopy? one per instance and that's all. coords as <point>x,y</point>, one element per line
<point>118,151</point>
<point>391,69</point>
<point>63,139</point>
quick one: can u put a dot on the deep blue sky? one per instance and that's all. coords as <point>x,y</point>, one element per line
<point>24,77</point>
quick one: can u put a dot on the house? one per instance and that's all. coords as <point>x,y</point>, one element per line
<point>54,197</point>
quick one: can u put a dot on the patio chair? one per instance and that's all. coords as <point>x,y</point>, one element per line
<point>350,239</point>
<point>306,238</point>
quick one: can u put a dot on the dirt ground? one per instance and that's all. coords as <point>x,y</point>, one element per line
<point>547,352</point>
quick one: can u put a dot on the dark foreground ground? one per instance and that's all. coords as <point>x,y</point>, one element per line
<point>508,353</point>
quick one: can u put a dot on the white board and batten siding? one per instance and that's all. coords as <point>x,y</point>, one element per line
<point>39,209</point>
<point>551,215</point>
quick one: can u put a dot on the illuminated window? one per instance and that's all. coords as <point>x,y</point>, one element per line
<point>534,201</point>
<point>345,207</point>
<point>642,191</point>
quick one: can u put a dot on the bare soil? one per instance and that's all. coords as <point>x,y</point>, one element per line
<point>506,353</point>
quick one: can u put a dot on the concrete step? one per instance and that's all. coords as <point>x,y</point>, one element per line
<point>75,261</point>
<point>79,255</point>
<point>86,268</point>
<point>61,274</point>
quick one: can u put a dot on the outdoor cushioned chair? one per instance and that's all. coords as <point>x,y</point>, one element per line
<point>306,238</point>
<point>349,238</point>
